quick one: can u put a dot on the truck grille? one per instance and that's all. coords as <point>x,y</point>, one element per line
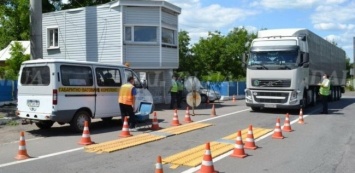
<point>271,83</point>
<point>270,94</point>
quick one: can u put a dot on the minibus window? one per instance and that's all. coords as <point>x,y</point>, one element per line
<point>108,77</point>
<point>130,73</point>
<point>35,76</point>
<point>76,75</point>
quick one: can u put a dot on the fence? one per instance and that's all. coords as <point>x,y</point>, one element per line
<point>8,92</point>
<point>227,89</point>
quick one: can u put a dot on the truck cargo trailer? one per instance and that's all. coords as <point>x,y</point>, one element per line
<point>285,66</point>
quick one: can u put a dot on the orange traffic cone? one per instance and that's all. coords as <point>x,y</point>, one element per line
<point>207,162</point>
<point>249,141</point>
<point>22,152</point>
<point>277,131</point>
<point>155,123</point>
<point>213,112</point>
<point>85,138</point>
<point>287,125</point>
<point>300,119</point>
<point>175,121</point>
<point>238,147</point>
<point>159,166</point>
<point>187,116</point>
<point>125,129</point>
<point>234,98</point>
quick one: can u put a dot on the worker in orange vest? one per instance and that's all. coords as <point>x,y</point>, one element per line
<point>126,100</point>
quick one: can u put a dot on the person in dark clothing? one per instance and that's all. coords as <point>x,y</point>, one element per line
<point>126,101</point>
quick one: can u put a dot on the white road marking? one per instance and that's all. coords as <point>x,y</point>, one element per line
<point>190,170</point>
<point>40,157</point>
<point>194,169</point>
<point>77,149</point>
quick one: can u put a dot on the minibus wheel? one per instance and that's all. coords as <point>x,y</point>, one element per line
<point>44,124</point>
<point>77,123</point>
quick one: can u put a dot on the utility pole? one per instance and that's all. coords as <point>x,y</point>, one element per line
<point>352,82</point>
<point>36,29</point>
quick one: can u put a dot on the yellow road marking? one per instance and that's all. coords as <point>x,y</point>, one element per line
<point>193,156</point>
<point>119,144</point>
<point>257,133</point>
<point>184,128</point>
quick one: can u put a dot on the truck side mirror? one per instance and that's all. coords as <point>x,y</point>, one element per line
<point>244,59</point>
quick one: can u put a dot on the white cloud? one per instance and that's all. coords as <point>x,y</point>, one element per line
<point>198,20</point>
<point>290,4</point>
<point>341,18</point>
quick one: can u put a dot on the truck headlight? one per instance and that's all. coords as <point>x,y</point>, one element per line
<point>293,97</point>
<point>248,96</point>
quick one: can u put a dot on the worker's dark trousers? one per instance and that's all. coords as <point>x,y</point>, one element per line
<point>179,99</point>
<point>127,110</point>
<point>325,104</point>
<point>173,100</point>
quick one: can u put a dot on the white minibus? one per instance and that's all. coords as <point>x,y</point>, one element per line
<point>69,91</point>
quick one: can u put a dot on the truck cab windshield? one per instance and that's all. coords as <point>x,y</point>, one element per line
<point>281,59</point>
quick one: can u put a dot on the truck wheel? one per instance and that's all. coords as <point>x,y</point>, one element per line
<point>333,94</point>
<point>255,109</point>
<point>44,124</point>
<point>303,104</point>
<point>314,97</point>
<point>338,93</point>
<point>77,123</point>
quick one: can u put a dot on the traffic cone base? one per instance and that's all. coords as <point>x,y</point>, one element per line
<point>300,119</point>
<point>249,141</point>
<point>287,125</point>
<point>277,131</point>
<point>207,162</point>
<point>175,121</point>
<point>213,112</point>
<point>155,123</point>
<point>238,147</point>
<point>159,166</point>
<point>187,116</point>
<point>125,129</point>
<point>85,138</point>
<point>22,151</point>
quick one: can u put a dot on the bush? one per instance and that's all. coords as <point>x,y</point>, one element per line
<point>350,88</point>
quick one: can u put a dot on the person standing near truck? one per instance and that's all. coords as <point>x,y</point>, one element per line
<point>126,100</point>
<point>324,92</point>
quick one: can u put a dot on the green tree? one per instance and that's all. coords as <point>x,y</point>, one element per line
<point>13,64</point>
<point>186,58</point>
<point>220,56</point>
<point>14,21</point>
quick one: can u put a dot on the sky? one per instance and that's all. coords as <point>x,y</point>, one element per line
<point>330,19</point>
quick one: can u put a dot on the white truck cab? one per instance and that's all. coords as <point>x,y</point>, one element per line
<point>68,91</point>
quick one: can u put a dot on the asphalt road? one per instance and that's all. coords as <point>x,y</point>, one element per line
<point>324,144</point>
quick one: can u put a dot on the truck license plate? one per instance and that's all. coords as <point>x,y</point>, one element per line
<point>270,105</point>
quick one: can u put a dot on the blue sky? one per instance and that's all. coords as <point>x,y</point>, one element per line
<point>331,19</point>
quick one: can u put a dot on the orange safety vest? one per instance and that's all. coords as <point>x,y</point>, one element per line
<point>125,96</point>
